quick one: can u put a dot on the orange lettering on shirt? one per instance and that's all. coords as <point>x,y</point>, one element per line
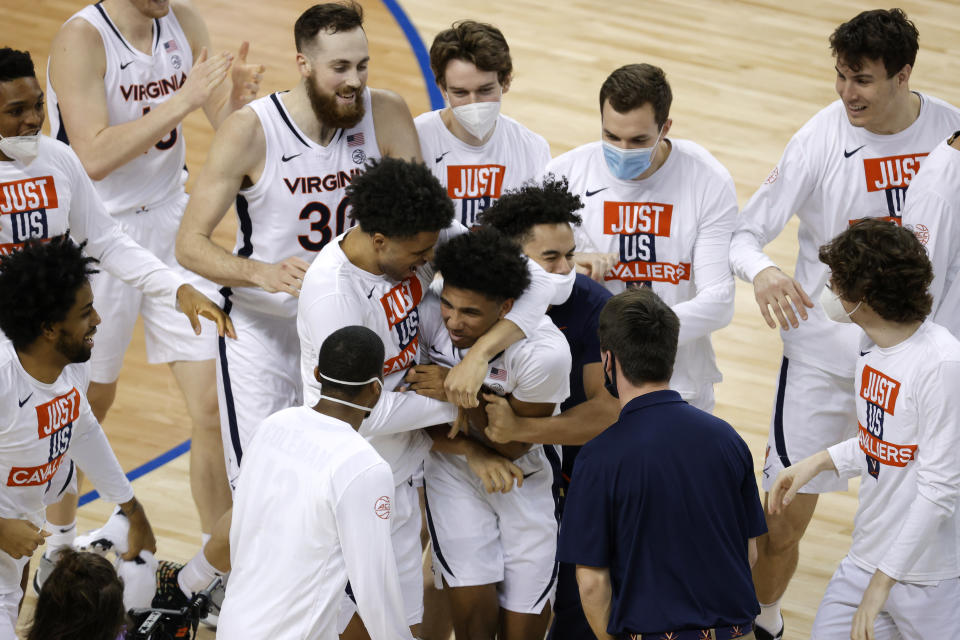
<point>475,181</point>
<point>58,413</point>
<point>637,217</point>
<point>28,195</point>
<point>401,300</point>
<point>891,172</point>
<point>894,455</point>
<point>879,389</point>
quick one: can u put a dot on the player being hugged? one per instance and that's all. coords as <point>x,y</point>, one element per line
<point>495,552</point>
<point>46,424</point>
<point>904,565</point>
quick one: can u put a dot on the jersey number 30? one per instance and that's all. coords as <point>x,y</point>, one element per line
<point>318,214</point>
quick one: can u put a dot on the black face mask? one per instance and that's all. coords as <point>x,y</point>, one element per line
<point>611,385</point>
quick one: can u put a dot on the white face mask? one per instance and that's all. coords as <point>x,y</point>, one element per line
<point>350,384</point>
<point>831,305</point>
<point>562,286</point>
<point>478,118</point>
<point>22,148</point>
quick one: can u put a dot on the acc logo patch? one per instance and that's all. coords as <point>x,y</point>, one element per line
<point>922,233</point>
<point>773,176</point>
<point>359,157</point>
<point>382,507</point>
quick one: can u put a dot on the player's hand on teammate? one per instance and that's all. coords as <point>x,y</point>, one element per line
<point>207,74</point>
<point>427,380</point>
<point>873,600</point>
<point>464,381</point>
<point>775,290</point>
<point>194,304</point>
<point>245,78</point>
<point>795,477</point>
<point>20,538</point>
<point>595,265</point>
<point>286,276</point>
<point>501,420</point>
<point>495,471</point>
<point>140,538</point>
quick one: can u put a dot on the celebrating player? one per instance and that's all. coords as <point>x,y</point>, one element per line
<point>854,159</point>
<point>475,151</point>
<point>901,577</point>
<point>658,212</point>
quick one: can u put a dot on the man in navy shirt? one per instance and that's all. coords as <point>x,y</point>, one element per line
<point>539,218</point>
<point>663,511</point>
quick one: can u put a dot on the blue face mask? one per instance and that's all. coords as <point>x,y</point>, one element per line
<point>627,164</point>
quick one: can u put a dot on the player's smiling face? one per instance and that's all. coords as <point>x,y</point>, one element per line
<point>399,258</point>
<point>467,315</point>
<point>21,107</point>
<point>869,96</point>
<point>464,83</point>
<point>334,68</point>
<point>551,246</point>
<point>74,334</point>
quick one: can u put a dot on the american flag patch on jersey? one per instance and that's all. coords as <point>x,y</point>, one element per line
<point>355,139</point>
<point>498,374</point>
<point>170,45</point>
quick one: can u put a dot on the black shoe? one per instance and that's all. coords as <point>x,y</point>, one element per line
<point>763,634</point>
<point>169,594</point>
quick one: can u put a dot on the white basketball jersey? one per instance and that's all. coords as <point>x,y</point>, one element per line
<point>299,204</point>
<point>475,177</point>
<point>136,82</point>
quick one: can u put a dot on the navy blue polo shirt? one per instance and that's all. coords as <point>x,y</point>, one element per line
<point>666,498</point>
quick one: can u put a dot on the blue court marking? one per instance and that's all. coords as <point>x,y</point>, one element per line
<point>436,102</point>
<point>144,469</point>
<point>419,50</point>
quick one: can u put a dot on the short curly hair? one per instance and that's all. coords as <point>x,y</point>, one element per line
<point>399,198</point>
<point>548,202</point>
<point>42,281</point>
<point>884,265</point>
<point>485,261</point>
<point>15,65</point>
<point>475,42</point>
<point>877,35</point>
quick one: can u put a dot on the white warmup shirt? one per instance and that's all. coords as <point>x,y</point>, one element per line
<point>311,511</point>
<point>933,213</point>
<point>42,428</point>
<point>52,195</point>
<point>134,83</point>
<point>671,230</point>
<point>475,177</point>
<point>830,175</point>
<point>299,204</point>
<point>336,294</point>
<point>908,409</point>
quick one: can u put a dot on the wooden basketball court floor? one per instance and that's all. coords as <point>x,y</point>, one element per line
<point>746,75</point>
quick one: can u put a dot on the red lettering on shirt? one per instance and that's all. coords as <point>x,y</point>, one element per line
<point>34,476</point>
<point>58,413</point>
<point>894,455</point>
<point>891,172</point>
<point>403,360</point>
<point>475,181</point>
<point>879,389</point>
<point>637,217</point>
<point>401,300</point>
<point>28,195</point>
<point>649,272</point>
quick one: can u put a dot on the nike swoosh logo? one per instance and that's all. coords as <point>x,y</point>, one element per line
<point>527,475</point>
<point>25,400</point>
<point>289,158</point>
<point>863,353</point>
<point>435,350</point>
<point>125,65</point>
<point>440,157</point>
<point>595,192</point>
<point>371,292</point>
<point>847,154</point>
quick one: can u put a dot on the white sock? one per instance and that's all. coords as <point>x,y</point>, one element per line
<point>770,618</point>
<point>196,575</point>
<point>204,539</point>
<point>61,535</point>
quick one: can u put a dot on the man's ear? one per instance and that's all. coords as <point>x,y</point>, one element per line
<point>316,374</point>
<point>505,307</point>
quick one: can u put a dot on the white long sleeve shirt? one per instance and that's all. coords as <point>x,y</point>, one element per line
<point>830,175</point>
<point>672,230</point>
<point>53,194</point>
<point>933,213</point>
<point>311,511</point>
<point>908,409</point>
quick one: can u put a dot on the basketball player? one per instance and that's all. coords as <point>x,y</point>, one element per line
<point>854,159</point>
<point>121,78</point>
<point>45,419</point>
<point>495,552</point>
<point>337,495</point>
<point>901,577</point>
<point>658,212</point>
<point>475,151</point>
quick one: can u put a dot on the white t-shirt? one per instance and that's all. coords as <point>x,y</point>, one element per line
<point>908,409</point>
<point>671,230</point>
<point>475,177</point>
<point>832,173</point>
<point>53,194</point>
<point>135,82</point>
<point>40,424</point>
<point>311,511</point>
<point>933,213</point>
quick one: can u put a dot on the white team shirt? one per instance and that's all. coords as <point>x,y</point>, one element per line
<point>311,511</point>
<point>933,213</point>
<point>134,83</point>
<point>40,424</point>
<point>908,409</point>
<point>475,177</point>
<point>53,194</point>
<point>671,230</point>
<point>299,204</point>
<point>336,294</point>
<point>831,174</point>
